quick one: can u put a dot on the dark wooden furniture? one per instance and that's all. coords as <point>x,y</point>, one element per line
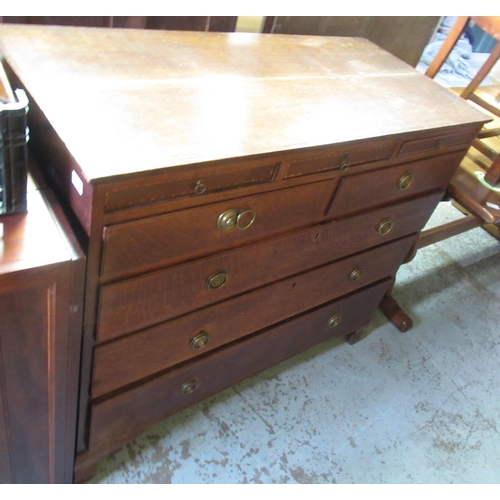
<point>182,23</point>
<point>244,197</point>
<point>389,32</point>
<point>41,299</point>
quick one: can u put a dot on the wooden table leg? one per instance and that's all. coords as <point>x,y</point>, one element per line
<point>394,313</point>
<point>354,337</point>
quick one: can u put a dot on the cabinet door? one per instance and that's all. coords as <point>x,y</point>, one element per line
<point>39,355</point>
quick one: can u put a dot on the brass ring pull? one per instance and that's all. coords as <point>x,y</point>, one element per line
<point>189,387</point>
<point>344,166</point>
<point>245,219</point>
<point>406,180</point>
<point>217,280</point>
<point>334,320</point>
<point>356,274</point>
<point>385,227</point>
<point>200,340</point>
<point>200,187</point>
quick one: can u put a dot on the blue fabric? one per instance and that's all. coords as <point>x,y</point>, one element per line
<point>458,60</point>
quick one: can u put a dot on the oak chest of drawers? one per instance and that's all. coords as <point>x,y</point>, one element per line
<point>242,197</point>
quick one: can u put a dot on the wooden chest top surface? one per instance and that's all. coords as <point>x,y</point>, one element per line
<point>129,101</point>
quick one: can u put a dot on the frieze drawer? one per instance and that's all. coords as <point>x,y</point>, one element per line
<point>436,144</point>
<point>341,159</point>
<point>178,185</point>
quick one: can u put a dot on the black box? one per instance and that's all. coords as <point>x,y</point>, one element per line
<point>14,136</point>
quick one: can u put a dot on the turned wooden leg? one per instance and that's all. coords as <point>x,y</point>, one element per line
<point>394,313</point>
<point>354,337</point>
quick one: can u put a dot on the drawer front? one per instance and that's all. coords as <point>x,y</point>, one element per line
<point>358,192</point>
<point>161,240</point>
<point>435,144</point>
<point>341,159</point>
<point>138,303</point>
<point>121,418</point>
<point>177,185</point>
<point>145,353</point>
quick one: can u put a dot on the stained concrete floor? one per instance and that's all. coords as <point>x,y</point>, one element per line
<point>418,407</point>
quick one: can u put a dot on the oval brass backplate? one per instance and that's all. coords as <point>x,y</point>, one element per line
<point>406,180</point>
<point>356,274</point>
<point>200,340</point>
<point>227,220</point>
<point>385,227</point>
<point>334,320</point>
<point>217,280</point>
<point>189,387</point>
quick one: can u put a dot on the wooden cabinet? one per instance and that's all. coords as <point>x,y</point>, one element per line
<point>42,273</point>
<point>243,198</point>
<point>389,32</point>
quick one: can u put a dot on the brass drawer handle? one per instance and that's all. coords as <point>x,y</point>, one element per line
<point>200,340</point>
<point>227,220</point>
<point>245,219</point>
<point>356,274</point>
<point>236,218</point>
<point>406,180</point>
<point>189,387</point>
<point>385,227</point>
<point>217,280</point>
<point>200,187</point>
<point>334,320</point>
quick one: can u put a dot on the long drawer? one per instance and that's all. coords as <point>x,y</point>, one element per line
<point>392,184</point>
<point>157,241</point>
<point>137,356</point>
<point>137,303</point>
<point>121,418</point>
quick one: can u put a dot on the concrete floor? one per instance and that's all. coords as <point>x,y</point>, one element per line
<point>418,407</point>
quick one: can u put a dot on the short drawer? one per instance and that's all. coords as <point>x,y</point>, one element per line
<point>437,143</point>
<point>341,159</point>
<point>177,185</point>
<point>138,303</point>
<point>121,418</point>
<point>145,353</point>
<point>362,191</point>
<point>165,239</point>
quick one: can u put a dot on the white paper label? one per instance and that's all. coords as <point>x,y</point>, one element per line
<point>77,182</point>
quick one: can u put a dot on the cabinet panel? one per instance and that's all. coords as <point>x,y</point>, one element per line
<point>38,374</point>
<point>41,297</point>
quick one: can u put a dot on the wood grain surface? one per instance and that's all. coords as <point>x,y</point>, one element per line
<point>149,99</point>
